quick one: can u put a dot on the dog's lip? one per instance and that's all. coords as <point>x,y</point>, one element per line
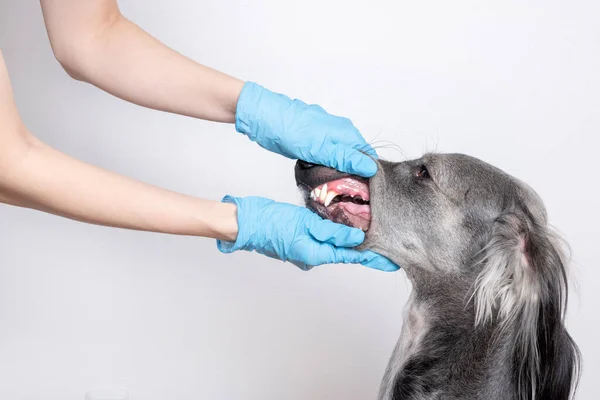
<point>320,182</point>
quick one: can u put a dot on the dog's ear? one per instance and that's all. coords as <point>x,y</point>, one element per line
<point>522,288</point>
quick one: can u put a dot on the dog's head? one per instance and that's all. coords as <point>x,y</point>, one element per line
<point>454,220</point>
<point>433,213</point>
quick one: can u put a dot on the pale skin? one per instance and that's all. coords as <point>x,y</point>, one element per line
<point>96,44</point>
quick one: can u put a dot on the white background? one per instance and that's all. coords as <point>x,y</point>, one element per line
<point>84,307</point>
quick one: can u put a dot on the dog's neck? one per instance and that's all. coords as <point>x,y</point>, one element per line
<point>440,351</point>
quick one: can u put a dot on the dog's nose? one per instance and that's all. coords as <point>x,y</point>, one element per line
<point>305,165</point>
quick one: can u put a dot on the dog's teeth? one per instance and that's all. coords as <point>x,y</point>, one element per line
<point>323,194</point>
<point>312,194</point>
<point>317,193</point>
<point>329,197</point>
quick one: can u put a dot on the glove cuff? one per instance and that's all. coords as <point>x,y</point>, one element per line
<point>243,236</point>
<point>247,108</point>
<point>259,111</point>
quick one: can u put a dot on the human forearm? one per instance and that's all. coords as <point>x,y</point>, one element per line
<point>36,176</point>
<point>50,181</point>
<point>114,54</point>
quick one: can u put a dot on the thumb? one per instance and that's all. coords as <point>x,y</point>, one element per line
<point>326,231</point>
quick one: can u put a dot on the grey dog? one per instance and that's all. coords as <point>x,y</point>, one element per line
<point>485,319</point>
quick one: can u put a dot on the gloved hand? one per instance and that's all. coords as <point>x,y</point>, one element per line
<point>297,130</point>
<point>295,234</point>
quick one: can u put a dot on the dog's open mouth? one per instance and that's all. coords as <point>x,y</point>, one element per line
<point>345,201</point>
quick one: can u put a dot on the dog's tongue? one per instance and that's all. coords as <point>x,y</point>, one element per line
<point>356,215</point>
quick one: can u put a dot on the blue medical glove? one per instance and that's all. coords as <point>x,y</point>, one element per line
<point>297,235</point>
<point>297,130</point>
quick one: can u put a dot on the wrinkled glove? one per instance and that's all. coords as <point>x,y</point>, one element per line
<point>297,130</point>
<point>297,235</point>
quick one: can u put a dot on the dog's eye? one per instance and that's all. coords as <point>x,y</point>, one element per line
<point>422,172</point>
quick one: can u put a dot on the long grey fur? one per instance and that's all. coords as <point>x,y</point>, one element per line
<point>485,319</point>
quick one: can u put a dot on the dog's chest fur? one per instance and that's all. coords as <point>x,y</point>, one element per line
<point>406,350</point>
<point>438,356</point>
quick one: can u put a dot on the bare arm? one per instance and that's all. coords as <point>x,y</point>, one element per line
<point>36,176</point>
<point>96,44</point>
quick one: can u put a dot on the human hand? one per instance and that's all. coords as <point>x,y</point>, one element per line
<point>297,130</point>
<point>297,235</point>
